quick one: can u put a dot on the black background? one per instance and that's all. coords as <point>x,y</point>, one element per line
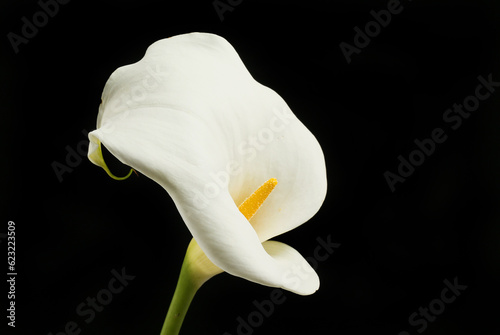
<point>396,249</point>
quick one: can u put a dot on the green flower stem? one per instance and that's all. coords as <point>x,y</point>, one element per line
<point>185,291</point>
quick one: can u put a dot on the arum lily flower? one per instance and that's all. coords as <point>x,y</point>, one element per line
<point>238,164</point>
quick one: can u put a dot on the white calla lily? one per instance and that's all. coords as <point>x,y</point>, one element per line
<point>191,117</point>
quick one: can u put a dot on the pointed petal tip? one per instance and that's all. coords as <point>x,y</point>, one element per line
<point>297,275</point>
<point>302,284</point>
<point>95,156</point>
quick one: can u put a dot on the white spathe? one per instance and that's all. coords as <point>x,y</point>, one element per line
<point>191,117</point>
